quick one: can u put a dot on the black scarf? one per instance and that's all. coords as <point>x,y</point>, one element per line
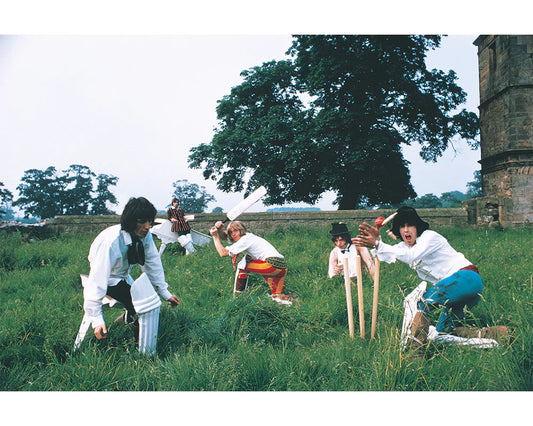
<point>344,250</point>
<point>136,251</point>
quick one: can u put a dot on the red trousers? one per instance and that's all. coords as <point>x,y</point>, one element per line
<point>273,276</point>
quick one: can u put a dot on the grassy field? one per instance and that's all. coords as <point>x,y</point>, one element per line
<point>214,342</point>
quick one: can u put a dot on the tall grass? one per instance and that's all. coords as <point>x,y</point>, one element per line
<point>214,342</point>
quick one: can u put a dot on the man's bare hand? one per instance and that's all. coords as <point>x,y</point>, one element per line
<point>368,237</point>
<point>174,301</point>
<point>100,332</point>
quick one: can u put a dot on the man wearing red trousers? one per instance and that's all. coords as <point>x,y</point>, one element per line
<point>260,257</point>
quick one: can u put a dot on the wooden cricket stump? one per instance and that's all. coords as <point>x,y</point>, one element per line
<point>375,300</point>
<point>347,286</point>
<point>360,296</point>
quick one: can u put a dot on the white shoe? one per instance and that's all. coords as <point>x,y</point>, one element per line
<point>282,301</point>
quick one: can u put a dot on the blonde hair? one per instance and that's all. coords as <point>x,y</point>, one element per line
<point>236,225</point>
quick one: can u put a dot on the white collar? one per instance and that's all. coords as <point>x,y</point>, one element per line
<point>127,237</point>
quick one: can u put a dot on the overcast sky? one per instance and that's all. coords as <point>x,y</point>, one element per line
<point>133,106</point>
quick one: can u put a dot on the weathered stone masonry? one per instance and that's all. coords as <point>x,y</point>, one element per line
<point>506,120</point>
<point>268,222</point>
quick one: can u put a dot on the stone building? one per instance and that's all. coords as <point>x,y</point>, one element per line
<point>506,120</point>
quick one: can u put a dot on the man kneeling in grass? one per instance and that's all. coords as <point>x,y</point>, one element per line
<point>260,257</point>
<point>456,282</point>
<point>112,255</point>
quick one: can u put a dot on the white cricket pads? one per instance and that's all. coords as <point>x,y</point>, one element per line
<point>235,291</point>
<point>199,239</point>
<point>163,231</point>
<point>85,322</point>
<point>450,339</point>
<point>410,307</point>
<point>143,295</point>
<point>148,329</point>
<point>147,305</point>
<point>186,243</point>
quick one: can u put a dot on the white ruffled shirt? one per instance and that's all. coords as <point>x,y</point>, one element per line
<point>432,257</point>
<point>108,257</point>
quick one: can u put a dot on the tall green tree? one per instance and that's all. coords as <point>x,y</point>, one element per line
<point>42,193</point>
<point>78,194</point>
<point>426,201</point>
<point>104,195</point>
<point>452,199</point>
<point>6,197</point>
<point>334,118</point>
<point>193,198</point>
<point>46,193</point>
<point>474,189</point>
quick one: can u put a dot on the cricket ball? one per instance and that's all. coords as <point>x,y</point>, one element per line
<point>379,222</point>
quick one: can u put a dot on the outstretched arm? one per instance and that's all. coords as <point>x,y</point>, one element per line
<point>367,259</point>
<point>214,231</point>
<point>368,237</point>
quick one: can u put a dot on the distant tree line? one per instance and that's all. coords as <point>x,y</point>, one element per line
<point>446,200</point>
<point>5,199</point>
<point>74,191</point>
<point>192,197</point>
<point>79,191</point>
<point>293,209</point>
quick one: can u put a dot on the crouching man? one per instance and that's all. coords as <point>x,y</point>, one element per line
<point>260,257</point>
<point>456,283</point>
<point>112,255</point>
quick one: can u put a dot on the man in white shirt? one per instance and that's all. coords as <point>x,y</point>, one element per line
<point>261,257</point>
<point>456,282</point>
<point>342,239</point>
<point>112,255</point>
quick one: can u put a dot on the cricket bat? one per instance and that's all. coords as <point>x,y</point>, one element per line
<point>245,204</point>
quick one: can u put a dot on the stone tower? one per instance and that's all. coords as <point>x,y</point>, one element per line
<point>506,120</point>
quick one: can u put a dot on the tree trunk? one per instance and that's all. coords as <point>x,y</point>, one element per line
<point>349,201</point>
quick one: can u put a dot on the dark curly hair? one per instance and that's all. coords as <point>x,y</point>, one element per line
<point>137,209</point>
<point>409,216</point>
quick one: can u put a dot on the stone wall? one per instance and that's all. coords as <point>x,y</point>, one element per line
<point>270,221</point>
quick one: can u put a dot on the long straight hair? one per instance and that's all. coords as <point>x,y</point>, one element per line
<point>137,209</point>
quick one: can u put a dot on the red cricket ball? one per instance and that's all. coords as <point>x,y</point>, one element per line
<point>379,222</point>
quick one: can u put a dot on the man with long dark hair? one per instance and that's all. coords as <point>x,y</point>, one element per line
<point>112,255</point>
<point>456,283</point>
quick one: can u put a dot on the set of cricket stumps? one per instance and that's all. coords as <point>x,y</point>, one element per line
<point>379,222</point>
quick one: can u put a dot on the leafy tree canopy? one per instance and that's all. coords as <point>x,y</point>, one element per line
<point>47,193</point>
<point>334,118</point>
<point>5,199</point>
<point>78,191</point>
<point>474,189</point>
<point>452,199</point>
<point>192,198</point>
<point>104,195</point>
